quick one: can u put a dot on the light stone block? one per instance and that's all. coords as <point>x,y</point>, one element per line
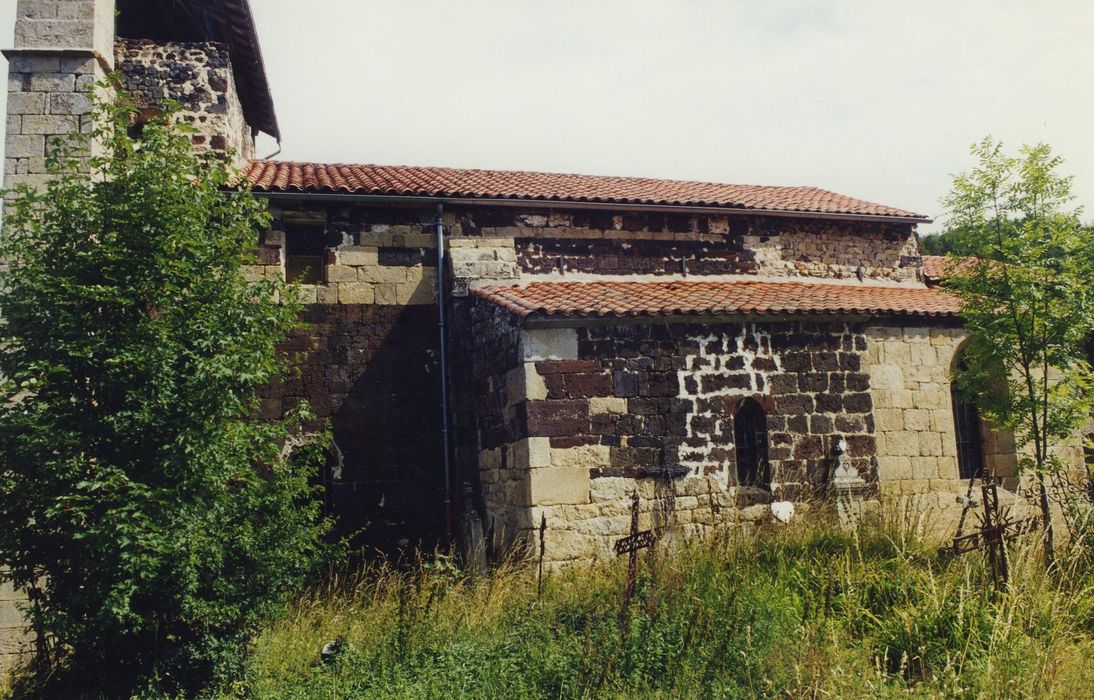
<point>886,377</point>
<point>610,489</point>
<point>51,82</point>
<point>341,273</point>
<point>537,451</point>
<point>309,294</point>
<point>917,419</point>
<point>326,293</point>
<point>358,255</point>
<point>568,545</point>
<point>26,103</point>
<point>902,444</point>
<point>559,485</point>
<point>889,419</point>
<point>942,420</point>
<point>898,353</point>
<point>930,444</point>
<point>490,458</point>
<point>549,344</point>
<point>902,398</point>
<point>253,273</point>
<point>610,404</point>
<point>382,273</point>
<point>49,124</point>
<point>387,293</point>
<point>23,146</point>
<point>420,292</point>
<point>535,388</point>
<point>893,468</point>
<point>930,396</point>
<point>420,240</point>
<point>356,293</point>
<point>581,457</point>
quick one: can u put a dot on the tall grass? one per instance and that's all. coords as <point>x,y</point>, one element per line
<point>801,611</point>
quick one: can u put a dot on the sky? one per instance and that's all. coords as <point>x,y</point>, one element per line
<point>877,99</point>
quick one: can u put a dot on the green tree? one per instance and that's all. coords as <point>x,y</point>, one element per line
<point>1028,302</point>
<point>156,522</point>
<point>943,243</point>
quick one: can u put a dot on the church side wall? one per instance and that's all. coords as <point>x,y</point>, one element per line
<point>512,440</point>
<point>617,408</point>
<point>910,367</point>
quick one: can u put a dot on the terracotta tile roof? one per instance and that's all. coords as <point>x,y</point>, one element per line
<point>935,267</point>
<point>278,176</point>
<point>626,299</point>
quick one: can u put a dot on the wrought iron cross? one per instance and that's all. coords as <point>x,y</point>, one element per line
<point>996,529</point>
<point>630,545</point>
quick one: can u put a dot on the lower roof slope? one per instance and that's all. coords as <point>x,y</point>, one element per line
<point>284,176</point>
<point>684,297</point>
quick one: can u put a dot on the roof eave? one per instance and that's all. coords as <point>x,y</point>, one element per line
<point>544,320</point>
<point>431,200</point>
<point>239,21</point>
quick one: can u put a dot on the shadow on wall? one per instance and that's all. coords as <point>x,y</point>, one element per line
<point>374,374</point>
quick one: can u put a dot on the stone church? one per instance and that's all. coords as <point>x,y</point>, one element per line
<point>572,339</point>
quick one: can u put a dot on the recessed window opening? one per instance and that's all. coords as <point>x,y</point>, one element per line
<point>966,419</point>
<point>750,440</point>
<point>304,250</point>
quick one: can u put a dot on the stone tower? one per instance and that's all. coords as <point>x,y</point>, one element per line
<point>61,48</point>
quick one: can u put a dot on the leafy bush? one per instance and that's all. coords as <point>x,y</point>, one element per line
<point>155,520</point>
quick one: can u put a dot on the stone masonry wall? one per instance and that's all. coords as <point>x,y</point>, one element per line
<point>46,100</point>
<point>561,242</point>
<point>488,414</point>
<point>503,245</point>
<point>371,370</point>
<point>609,409</point>
<point>910,370</point>
<point>381,257</point>
<point>198,76</point>
<point>369,363</point>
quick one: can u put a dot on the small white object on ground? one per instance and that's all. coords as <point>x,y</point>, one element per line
<point>783,510</point>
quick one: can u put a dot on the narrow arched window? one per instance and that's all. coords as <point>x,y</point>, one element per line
<point>750,440</point>
<point>966,420</point>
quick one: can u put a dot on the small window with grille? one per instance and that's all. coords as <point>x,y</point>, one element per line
<point>304,251</point>
<point>750,441</point>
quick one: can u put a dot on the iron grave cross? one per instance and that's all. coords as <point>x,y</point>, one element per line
<point>996,529</point>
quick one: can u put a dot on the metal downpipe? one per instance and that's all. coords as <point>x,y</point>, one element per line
<point>441,316</point>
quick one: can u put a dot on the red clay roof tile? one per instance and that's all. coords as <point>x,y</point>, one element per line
<point>933,267</point>
<point>936,267</point>
<point>626,299</point>
<point>279,176</point>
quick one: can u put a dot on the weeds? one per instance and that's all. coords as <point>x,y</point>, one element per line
<point>800,611</point>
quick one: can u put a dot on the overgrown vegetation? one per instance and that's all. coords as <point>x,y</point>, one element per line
<point>1027,302</point>
<point>800,611</point>
<point>155,522</point>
